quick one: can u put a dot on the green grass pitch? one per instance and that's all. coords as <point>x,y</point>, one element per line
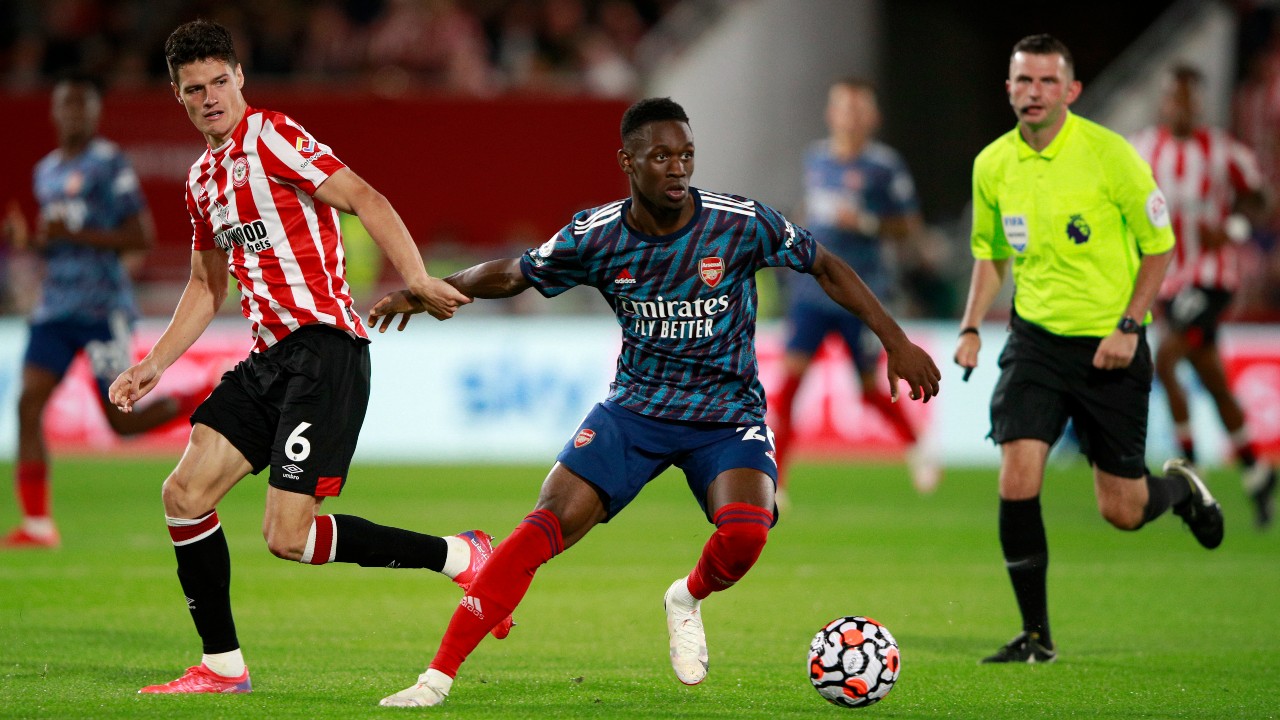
<point>1148,624</point>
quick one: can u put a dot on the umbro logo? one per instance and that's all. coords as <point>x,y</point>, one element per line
<point>624,278</point>
<point>291,468</point>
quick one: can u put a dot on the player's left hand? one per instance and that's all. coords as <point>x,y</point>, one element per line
<point>1115,351</point>
<point>909,362</point>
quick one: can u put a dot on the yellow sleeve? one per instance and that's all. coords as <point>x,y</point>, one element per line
<point>1143,206</point>
<point>986,241</point>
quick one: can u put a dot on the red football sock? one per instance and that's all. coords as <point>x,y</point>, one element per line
<point>499,587</point>
<point>741,531</point>
<point>893,413</point>
<point>31,482</point>
<point>782,433</point>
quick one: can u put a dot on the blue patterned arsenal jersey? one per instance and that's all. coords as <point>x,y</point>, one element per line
<point>686,302</point>
<point>95,189</point>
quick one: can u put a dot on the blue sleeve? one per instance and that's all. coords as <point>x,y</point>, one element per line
<point>126,189</point>
<point>554,266</point>
<point>783,244</point>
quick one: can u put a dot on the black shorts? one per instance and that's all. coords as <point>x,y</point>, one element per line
<point>1047,378</point>
<point>1196,314</point>
<point>297,406</point>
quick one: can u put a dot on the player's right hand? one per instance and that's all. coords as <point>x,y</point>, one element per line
<point>400,302</point>
<point>133,385</point>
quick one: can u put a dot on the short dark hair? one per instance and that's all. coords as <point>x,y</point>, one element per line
<point>82,78</point>
<point>647,111</point>
<point>854,82</point>
<point>1188,74</point>
<point>198,40</point>
<point>1044,44</point>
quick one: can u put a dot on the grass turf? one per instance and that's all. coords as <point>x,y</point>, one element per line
<point>1148,625</point>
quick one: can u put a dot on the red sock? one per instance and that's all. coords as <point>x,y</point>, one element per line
<point>499,587</point>
<point>782,420</point>
<point>893,413</point>
<point>31,481</point>
<point>741,531</point>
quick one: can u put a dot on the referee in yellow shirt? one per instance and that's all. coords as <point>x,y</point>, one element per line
<point>1076,210</point>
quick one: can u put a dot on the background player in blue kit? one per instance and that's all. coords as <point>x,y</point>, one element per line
<point>93,222</point>
<point>677,265</point>
<point>858,192</point>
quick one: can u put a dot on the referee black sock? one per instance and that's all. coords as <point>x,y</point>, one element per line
<point>204,569</point>
<point>1162,494</point>
<point>370,545</point>
<point>1026,556</point>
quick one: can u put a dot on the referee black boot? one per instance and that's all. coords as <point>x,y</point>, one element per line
<point>1025,648</point>
<point>1200,511</point>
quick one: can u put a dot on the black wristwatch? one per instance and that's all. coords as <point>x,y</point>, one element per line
<point>1128,325</point>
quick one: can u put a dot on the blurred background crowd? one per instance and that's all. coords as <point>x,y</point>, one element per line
<point>614,51</point>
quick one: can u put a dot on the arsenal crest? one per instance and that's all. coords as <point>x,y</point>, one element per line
<point>711,270</point>
<point>585,436</point>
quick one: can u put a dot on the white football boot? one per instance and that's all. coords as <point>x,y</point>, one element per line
<point>431,690</point>
<point>688,639</point>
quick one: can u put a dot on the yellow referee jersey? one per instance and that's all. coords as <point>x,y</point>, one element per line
<point>1076,218</point>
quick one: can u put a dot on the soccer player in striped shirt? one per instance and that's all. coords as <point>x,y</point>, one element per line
<point>94,224</point>
<point>264,201</point>
<point>677,264</point>
<point>1213,183</point>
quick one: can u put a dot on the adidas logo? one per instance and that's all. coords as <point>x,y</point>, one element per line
<point>472,604</point>
<point>624,278</point>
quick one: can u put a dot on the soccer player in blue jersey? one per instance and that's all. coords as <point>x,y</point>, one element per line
<point>93,223</point>
<point>857,191</point>
<point>677,264</point>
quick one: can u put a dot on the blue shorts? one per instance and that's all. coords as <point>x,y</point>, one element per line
<point>619,452</point>
<point>810,325</point>
<point>107,343</point>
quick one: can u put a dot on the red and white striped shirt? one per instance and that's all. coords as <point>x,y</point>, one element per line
<point>252,198</point>
<point>1201,176</point>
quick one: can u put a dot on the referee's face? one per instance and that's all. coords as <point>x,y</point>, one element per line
<point>1040,89</point>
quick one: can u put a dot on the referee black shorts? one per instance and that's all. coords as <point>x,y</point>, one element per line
<point>296,406</point>
<point>1046,379</point>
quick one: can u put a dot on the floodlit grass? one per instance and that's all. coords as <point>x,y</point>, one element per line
<point>1148,625</point>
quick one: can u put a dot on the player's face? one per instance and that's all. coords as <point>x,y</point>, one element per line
<point>75,111</point>
<point>210,91</point>
<point>852,111</point>
<point>1040,89</point>
<point>661,164</point>
<point>1180,106</point>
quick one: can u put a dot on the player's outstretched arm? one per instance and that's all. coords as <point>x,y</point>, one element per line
<point>137,233</point>
<point>347,192</point>
<point>205,291</point>
<point>488,280</point>
<point>984,285</point>
<point>907,361</point>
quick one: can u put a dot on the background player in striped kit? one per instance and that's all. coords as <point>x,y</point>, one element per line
<point>858,193</point>
<point>1213,185</point>
<point>677,264</point>
<point>94,227</point>
<point>264,202</point>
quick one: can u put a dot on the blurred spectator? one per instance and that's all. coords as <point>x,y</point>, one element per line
<point>474,47</point>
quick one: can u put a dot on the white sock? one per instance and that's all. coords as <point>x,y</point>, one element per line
<point>227,664</point>
<point>437,680</point>
<point>39,526</point>
<point>457,559</point>
<point>683,595</point>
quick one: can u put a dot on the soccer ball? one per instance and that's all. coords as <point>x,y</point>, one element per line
<point>853,662</point>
